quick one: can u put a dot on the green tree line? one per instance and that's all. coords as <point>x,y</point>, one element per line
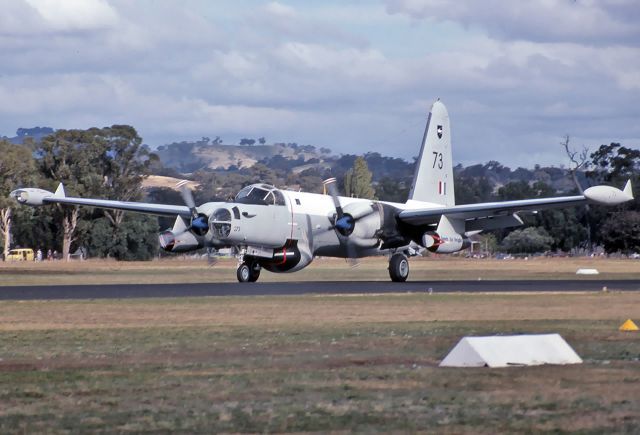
<point>105,162</point>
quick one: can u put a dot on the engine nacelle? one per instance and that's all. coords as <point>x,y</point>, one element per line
<point>289,258</point>
<point>181,242</point>
<point>367,224</point>
<point>30,195</point>
<point>445,243</point>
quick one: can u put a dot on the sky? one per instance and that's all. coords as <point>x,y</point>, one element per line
<point>356,77</point>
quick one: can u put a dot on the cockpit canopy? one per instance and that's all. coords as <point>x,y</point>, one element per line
<point>260,194</point>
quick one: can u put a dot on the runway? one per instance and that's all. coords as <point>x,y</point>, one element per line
<point>125,291</point>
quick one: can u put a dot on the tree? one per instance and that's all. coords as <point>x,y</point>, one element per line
<point>135,238</point>
<point>262,141</point>
<point>392,189</point>
<point>123,163</point>
<point>17,169</point>
<point>246,141</point>
<point>66,157</point>
<point>108,162</point>
<point>620,232</point>
<point>528,240</point>
<point>472,190</point>
<point>577,163</point>
<point>615,164</point>
<point>357,180</point>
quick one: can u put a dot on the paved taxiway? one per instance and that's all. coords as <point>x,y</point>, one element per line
<point>299,288</point>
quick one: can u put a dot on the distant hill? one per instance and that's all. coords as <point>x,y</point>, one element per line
<point>294,159</point>
<point>159,181</point>
<point>204,154</point>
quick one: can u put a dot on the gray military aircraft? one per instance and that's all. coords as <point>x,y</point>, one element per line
<point>284,230</point>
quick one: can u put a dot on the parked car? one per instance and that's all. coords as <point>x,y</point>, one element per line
<point>22,254</point>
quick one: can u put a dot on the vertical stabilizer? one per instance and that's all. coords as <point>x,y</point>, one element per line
<point>433,179</point>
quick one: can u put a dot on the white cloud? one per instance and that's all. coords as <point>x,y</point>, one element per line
<point>595,21</point>
<point>290,72</point>
<point>37,17</point>
<point>281,10</point>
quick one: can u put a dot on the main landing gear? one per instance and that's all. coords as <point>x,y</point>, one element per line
<point>248,270</point>
<point>399,267</point>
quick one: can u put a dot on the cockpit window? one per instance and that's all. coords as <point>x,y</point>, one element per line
<point>279,197</point>
<point>261,194</point>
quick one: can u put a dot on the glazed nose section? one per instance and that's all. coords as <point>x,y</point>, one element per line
<point>220,224</point>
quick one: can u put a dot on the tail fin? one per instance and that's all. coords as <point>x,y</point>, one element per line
<point>433,179</point>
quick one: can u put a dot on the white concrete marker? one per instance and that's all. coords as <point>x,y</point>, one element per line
<point>511,350</point>
<point>587,272</point>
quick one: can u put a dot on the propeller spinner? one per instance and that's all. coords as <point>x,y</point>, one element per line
<point>199,223</point>
<point>345,223</point>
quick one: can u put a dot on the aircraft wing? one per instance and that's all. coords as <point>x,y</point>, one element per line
<point>34,196</point>
<point>605,195</point>
<point>486,210</point>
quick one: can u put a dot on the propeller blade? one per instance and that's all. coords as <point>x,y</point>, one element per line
<point>351,255</point>
<point>211,259</point>
<point>199,223</point>
<point>187,197</point>
<point>332,189</point>
<point>343,223</point>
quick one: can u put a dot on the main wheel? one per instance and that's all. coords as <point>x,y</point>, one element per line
<point>248,271</point>
<point>255,272</point>
<point>244,272</point>
<point>399,268</point>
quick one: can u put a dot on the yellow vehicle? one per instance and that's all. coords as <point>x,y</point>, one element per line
<point>25,254</point>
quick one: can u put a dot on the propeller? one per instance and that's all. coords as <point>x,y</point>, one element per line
<point>211,259</point>
<point>199,223</point>
<point>343,223</point>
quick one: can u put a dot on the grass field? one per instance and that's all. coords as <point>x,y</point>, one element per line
<point>366,363</point>
<point>312,363</point>
<point>422,269</point>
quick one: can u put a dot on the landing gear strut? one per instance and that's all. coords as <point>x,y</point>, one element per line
<point>248,270</point>
<point>399,268</point>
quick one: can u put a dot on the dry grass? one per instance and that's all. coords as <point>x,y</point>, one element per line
<point>311,364</point>
<point>309,311</point>
<point>365,363</point>
<point>183,270</point>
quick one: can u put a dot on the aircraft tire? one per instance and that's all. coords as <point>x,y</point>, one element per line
<point>255,272</point>
<point>243,272</point>
<point>399,268</point>
<point>248,271</point>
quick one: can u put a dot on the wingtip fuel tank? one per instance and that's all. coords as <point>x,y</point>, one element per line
<point>30,195</point>
<point>609,195</point>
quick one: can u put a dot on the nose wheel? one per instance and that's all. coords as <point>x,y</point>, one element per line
<point>248,271</point>
<point>399,268</point>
